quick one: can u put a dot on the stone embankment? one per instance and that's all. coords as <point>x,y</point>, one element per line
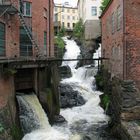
<point>125,103</point>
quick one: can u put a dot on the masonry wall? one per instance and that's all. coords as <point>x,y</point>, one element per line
<point>112,42</point>
<point>132,40</point>
<point>12,34</point>
<point>42,22</point>
<point>7,106</point>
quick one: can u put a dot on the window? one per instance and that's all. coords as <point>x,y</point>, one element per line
<point>63,9</point>
<point>68,10</point>
<point>73,17</point>
<point>55,9</point>
<point>118,18</point>
<point>45,39</point>
<point>113,23</point>
<point>68,25</point>
<point>73,10</point>
<point>94,11</point>
<point>2,39</point>
<point>73,25</point>
<point>45,13</point>
<point>68,17</point>
<point>25,43</point>
<point>27,9</point>
<point>63,17</point>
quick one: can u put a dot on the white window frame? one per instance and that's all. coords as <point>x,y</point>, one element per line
<point>25,9</point>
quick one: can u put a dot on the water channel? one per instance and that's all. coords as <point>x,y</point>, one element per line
<point>84,122</point>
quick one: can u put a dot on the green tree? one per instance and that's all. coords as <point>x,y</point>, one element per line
<point>78,30</point>
<point>104,4</point>
<point>62,32</point>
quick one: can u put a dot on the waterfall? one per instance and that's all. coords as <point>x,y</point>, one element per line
<point>83,122</point>
<point>32,116</point>
<point>72,52</point>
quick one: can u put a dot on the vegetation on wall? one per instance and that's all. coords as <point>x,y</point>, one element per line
<point>103,85</point>
<point>104,4</point>
<point>78,30</point>
<point>59,42</point>
<point>62,32</point>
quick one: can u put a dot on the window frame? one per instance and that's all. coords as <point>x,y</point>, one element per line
<point>94,11</point>
<point>25,9</point>
<point>3,39</point>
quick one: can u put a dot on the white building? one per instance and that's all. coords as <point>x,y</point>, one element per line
<point>66,15</point>
<point>89,12</point>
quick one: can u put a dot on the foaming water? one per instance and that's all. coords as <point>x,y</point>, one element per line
<point>82,119</point>
<point>72,51</point>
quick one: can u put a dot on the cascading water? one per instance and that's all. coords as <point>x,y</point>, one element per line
<point>83,122</point>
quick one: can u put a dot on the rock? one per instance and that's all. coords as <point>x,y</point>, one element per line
<point>65,72</point>
<point>59,119</point>
<point>69,97</point>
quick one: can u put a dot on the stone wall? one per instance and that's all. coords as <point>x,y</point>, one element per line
<point>8,111</point>
<point>125,109</point>
<point>48,91</point>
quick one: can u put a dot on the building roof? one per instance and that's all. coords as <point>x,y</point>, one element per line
<point>104,11</point>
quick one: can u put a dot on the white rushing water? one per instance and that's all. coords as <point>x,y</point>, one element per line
<point>87,115</point>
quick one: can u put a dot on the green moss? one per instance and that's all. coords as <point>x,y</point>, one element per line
<point>1,128</point>
<point>16,132</point>
<point>105,101</point>
<point>49,100</point>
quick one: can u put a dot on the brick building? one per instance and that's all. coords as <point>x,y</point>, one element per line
<point>121,39</point>
<point>26,29</point>
<point>26,40</point>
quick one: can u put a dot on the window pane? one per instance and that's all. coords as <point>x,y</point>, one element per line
<point>2,39</point>
<point>45,39</point>
<point>94,11</point>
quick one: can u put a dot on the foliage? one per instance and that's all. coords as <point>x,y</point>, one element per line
<point>103,85</point>
<point>105,100</point>
<point>9,71</point>
<point>62,32</point>
<point>100,80</point>
<point>1,128</point>
<point>78,30</point>
<point>104,4</point>
<point>59,42</point>
<point>16,132</point>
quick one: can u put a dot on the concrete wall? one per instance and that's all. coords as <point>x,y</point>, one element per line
<point>7,106</point>
<point>112,42</point>
<point>84,8</point>
<point>92,29</point>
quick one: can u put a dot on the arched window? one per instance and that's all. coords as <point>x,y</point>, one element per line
<point>2,39</point>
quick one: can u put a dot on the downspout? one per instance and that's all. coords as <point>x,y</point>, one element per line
<point>124,44</point>
<point>49,3</point>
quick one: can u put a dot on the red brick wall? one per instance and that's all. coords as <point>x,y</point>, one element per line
<point>39,25</point>
<point>112,43</point>
<point>12,34</point>
<point>132,31</point>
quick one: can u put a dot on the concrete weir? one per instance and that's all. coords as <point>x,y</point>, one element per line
<point>41,79</point>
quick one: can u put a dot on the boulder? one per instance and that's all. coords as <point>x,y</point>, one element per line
<point>65,72</point>
<point>69,97</point>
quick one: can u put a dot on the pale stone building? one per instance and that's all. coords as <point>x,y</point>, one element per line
<point>89,12</point>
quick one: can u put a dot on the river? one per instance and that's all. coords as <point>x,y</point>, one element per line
<point>84,122</point>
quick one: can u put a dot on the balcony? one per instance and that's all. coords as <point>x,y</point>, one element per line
<point>8,6</point>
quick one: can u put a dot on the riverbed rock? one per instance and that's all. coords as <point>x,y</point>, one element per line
<point>69,97</point>
<point>59,119</point>
<point>65,72</point>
